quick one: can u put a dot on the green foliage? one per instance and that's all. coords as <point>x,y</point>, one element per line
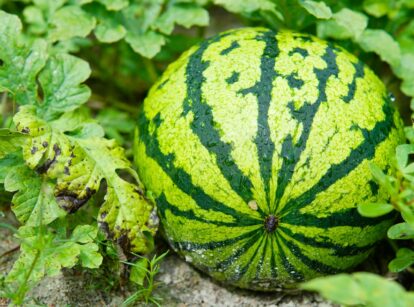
<point>361,289</point>
<point>54,159</point>
<point>143,272</point>
<point>62,141</point>
<point>142,24</point>
<point>45,253</point>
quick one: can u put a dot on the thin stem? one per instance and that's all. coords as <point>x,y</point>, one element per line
<point>22,289</point>
<point>150,67</point>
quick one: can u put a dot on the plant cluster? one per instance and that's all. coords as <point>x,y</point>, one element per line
<point>72,73</point>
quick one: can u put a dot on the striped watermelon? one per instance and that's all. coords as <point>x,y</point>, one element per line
<point>255,146</point>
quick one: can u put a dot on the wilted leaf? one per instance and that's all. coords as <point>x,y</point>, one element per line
<point>80,162</point>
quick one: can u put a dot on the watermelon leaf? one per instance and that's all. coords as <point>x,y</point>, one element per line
<point>246,6</point>
<point>345,24</point>
<point>318,9</point>
<point>61,84</point>
<point>34,203</point>
<point>44,254</point>
<point>21,63</point>
<point>185,14</point>
<point>70,21</point>
<point>10,141</point>
<point>360,289</point>
<point>52,151</point>
<point>382,43</point>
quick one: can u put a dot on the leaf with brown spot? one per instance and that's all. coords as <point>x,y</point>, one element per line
<point>80,161</point>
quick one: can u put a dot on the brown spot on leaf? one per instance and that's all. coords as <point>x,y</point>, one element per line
<point>71,202</point>
<point>43,168</point>
<point>66,170</point>
<point>33,150</point>
<point>57,150</point>
<point>45,144</point>
<point>25,130</point>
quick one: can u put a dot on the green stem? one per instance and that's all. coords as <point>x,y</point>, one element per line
<point>22,289</point>
<point>150,67</point>
<point>393,245</point>
<point>3,107</point>
<point>9,227</point>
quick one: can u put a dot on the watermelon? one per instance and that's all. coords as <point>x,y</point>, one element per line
<point>256,146</point>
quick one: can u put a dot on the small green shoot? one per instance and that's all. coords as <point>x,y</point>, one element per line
<point>143,272</point>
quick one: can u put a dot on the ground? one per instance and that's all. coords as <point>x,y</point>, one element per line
<point>181,285</point>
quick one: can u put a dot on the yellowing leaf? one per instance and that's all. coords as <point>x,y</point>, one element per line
<point>34,202</point>
<point>80,162</point>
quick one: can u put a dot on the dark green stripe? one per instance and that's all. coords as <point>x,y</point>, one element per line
<point>233,78</point>
<point>359,73</point>
<point>180,177</point>
<point>290,269</point>
<point>338,250</point>
<point>234,45</point>
<point>191,246</point>
<point>273,256</point>
<point>203,124</point>
<point>293,81</point>
<point>366,150</point>
<point>163,205</point>
<point>244,269</point>
<point>223,265</point>
<point>311,263</point>
<point>348,217</point>
<point>303,52</point>
<point>263,91</point>
<point>259,266</point>
<point>291,152</point>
